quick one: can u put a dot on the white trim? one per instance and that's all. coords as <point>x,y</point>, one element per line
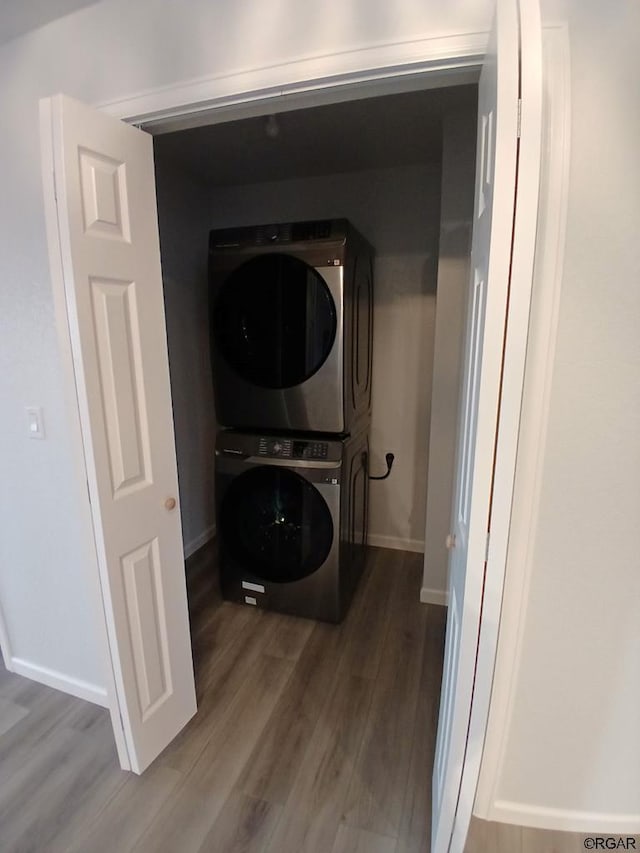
<point>198,542</point>
<point>199,97</point>
<point>434,596</point>
<point>378,540</point>
<point>5,644</point>
<point>85,521</point>
<point>73,686</point>
<point>518,315</point>
<point>566,820</point>
<point>554,186</point>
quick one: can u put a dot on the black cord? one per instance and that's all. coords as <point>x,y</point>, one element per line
<point>389,457</point>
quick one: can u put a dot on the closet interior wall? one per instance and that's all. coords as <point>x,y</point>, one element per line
<point>183,204</point>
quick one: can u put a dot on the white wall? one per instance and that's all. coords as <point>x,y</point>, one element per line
<point>398,211</point>
<point>109,50</point>
<point>456,216</point>
<point>183,218</point>
<point>565,749</point>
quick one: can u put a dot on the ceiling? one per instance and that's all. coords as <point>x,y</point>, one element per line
<point>371,133</point>
<point>18,17</point>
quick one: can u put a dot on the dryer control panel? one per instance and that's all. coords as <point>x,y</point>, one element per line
<point>288,448</point>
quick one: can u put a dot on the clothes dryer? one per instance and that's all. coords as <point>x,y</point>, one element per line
<point>291,521</point>
<point>291,319</point>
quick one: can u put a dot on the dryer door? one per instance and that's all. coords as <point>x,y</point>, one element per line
<point>275,321</point>
<point>276,524</point>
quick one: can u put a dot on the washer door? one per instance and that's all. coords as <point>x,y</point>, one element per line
<point>275,524</point>
<point>275,321</point>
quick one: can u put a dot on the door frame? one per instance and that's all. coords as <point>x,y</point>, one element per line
<point>384,69</point>
<point>549,259</point>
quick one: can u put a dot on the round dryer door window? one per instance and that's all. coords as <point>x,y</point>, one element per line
<point>275,321</point>
<point>276,525</point>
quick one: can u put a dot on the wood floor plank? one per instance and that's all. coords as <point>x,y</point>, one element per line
<point>290,637</point>
<point>313,811</point>
<point>546,841</point>
<point>232,667</point>
<point>29,693</point>
<point>85,717</point>
<point>350,839</point>
<point>273,765</point>
<point>365,627</point>
<point>243,826</point>
<point>103,781</point>
<point>488,837</point>
<point>126,816</point>
<point>415,828</point>
<point>10,714</point>
<point>205,788</point>
<point>224,626</point>
<point>50,797</point>
<point>377,792</point>
<point>10,683</point>
<point>492,836</point>
<point>31,733</point>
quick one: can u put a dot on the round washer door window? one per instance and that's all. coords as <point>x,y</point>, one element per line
<point>275,321</point>
<point>276,525</point>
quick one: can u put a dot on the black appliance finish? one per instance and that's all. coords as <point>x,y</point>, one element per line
<point>292,521</point>
<point>291,320</point>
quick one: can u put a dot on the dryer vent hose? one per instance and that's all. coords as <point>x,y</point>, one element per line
<point>389,457</point>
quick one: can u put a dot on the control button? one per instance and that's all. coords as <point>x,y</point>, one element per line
<point>276,447</point>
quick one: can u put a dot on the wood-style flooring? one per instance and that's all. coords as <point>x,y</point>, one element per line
<point>308,737</point>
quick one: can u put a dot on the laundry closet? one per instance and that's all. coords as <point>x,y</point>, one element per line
<point>400,168</point>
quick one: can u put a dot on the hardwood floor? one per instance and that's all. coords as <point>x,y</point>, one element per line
<point>488,837</point>
<point>308,737</point>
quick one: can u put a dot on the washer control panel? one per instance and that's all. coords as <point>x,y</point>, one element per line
<point>289,448</point>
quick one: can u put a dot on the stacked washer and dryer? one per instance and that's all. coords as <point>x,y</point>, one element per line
<point>291,313</point>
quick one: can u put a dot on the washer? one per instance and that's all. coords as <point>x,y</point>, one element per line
<point>291,319</point>
<point>291,521</point>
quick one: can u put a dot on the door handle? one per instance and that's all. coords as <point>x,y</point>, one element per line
<point>450,541</point>
<point>170,504</point>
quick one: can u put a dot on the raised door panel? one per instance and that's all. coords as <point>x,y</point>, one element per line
<point>108,231</point>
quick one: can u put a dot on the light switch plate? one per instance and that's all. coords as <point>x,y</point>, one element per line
<point>35,422</point>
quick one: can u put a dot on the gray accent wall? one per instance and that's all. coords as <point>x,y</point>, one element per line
<point>182,219</point>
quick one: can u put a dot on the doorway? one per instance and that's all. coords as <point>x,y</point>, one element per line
<point>393,195</point>
<point>345,160</point>
<point>513,136</point>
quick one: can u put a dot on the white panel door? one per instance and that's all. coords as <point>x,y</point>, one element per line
<point>487,307</point>
<point>108,232</point>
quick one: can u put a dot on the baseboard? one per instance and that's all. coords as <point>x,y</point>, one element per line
<point>394,542</point>
<point>73,686</point>
<point>434,596</point>
<point>192,546</point>
<point>564,820</point>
